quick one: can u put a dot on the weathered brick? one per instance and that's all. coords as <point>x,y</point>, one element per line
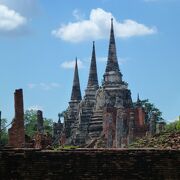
<point>16,132</point>
<point>103,164</point>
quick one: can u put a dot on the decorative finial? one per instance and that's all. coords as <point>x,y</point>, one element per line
<point>138,97</point>
<point>138,101</point>
<point>59,116</point>
<point>76,62</point>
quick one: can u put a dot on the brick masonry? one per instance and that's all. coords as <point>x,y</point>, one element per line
<point>103,164</point>
<point>16,132</point>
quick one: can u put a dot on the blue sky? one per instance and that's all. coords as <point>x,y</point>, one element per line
<point>39,40</point>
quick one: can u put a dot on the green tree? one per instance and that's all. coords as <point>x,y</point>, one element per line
<point>150,109</point>
<point>4,134</point>
<point>31,123</point>
<point>48,125</point>
<point>178,124</point>
<point>63,114</point>
<point>173,126</point>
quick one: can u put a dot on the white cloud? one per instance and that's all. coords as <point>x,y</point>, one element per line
<point>97,27</point>
<point>25,7</point>
<point>35,108</point>
<point>44,86</point>
<point>122,60</point>
<point>101,59</point>
<point>10,20</point>
<point>31,85</point>
<point>71,64</point>
<point>78,15</point>
<point>55,85</point>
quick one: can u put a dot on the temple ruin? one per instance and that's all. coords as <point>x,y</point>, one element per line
<point>16,132</point>
<point>105,111</point>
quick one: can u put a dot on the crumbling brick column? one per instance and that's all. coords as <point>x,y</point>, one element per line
<point>121,128</point>
<point>40,122</point>
<point>16,132</point>
<point>39,136</point>
<point>131,127</point>
<point>109,126</point>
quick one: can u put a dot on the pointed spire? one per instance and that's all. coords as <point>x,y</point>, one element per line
<point>93,78</point>
<point>138,100</point>
<point>76,91</point>
<point>59,117</point>
<point>112,63</point>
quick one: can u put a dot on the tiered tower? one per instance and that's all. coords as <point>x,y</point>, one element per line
<point>87,104</point>
<point>71,116</point>
<point>114,92</point>
<point>106,112</point>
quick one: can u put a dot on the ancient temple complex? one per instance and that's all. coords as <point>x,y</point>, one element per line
<point>105,111</point>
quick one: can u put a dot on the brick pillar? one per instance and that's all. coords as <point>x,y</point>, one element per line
<point>40,122</point>
<point>109,126</point>
<point>16,132</point>
<point>121,128</point>
<point>131,127</point>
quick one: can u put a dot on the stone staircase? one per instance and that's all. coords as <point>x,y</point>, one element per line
<point>96,124</point>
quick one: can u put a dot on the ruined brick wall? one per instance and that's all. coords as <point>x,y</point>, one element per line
<point>91,164</point>
<point>16,132</point>
<point>122,126</point>
<point>140,117</point>
<point>109,126</point>
<point>140,126</point>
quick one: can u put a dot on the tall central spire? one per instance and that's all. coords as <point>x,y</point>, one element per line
<point>112,63</point>
<point>93,79</point>
<point>76,91</point>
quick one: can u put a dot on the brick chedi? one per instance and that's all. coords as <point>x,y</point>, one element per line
<point>113,95</point>
<point>86,106</point>
<point>106,112</point>
<point>16,132</point>
<point>70,120</point>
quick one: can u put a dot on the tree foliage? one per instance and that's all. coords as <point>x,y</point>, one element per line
<point>63,115</point>
<point>31,123</point>
<point>4,134</point>
<point>150,108</point>
<point>173,126</point>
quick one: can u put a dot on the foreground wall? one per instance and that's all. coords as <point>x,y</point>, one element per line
<point>90,164</point>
